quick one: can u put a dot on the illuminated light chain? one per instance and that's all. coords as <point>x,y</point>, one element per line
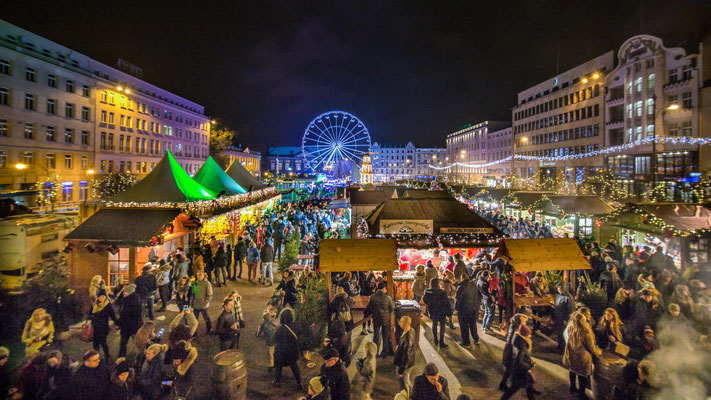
<point>49,190</point>
<point>652,219</point>
<point>608,150</point>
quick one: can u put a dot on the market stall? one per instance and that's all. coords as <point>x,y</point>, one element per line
<point>531,255</point>
<point>682,229</point>
<point>424,225</point>
<point>575,215</point>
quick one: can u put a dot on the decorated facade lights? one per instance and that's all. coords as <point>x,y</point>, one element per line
<point>683,140</point>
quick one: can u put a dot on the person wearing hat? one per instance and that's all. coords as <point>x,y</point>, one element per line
<point>336,376</point>
<point>317,390</point>
<point>122,381</point>
<point>130,319</point>
<point>610,280</point>
<point>101,312</point>
<point>146,285</point>
<point>429,385</point>
<point>646,312</point>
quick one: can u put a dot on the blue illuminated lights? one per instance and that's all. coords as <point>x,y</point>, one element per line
<point>332,137</point>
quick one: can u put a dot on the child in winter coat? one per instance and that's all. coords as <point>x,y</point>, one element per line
<point>267,330</point>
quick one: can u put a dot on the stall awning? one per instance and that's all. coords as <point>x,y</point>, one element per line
<point>576,205</point>
<point>544,255</point>
<point>339,255</point>
<point>426,194</point>
<point>124,226</point>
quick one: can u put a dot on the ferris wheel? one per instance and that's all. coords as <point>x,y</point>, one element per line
<point>332,137</point>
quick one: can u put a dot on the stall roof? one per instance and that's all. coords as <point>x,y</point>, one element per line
<point>214,178</point>
<point>124,226</point>
<point>527,199</point>
<point>370,197</point>
<point>167,182</point>
<point>393,191</point>
<point>582,204</point>
<point>545,255</point>
<point>684,217</point>
<point>243,177</point>
<point>338,203</point>
<point>495,194</point>
<point>427,194</point>
<point>340,255</point>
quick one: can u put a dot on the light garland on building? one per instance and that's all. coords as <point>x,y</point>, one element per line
<point>683,140</point>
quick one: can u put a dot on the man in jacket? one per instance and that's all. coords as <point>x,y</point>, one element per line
<point>467,301</point>
<point>336,376</point>
<point>460,267</point>
<point>227,327</point>
<point>430,386</point>
<point>381,306</point>
<point>278,240</point>
<point>92,379</point>
<point>405,354</point>
<point>563,307</point>
<point>267,257</point>
<point>439,309</point>
<point>130,320</point>
<point>240,254</point>
<point>201,296</point>
<point>146,285</point>
<point>489,301</point>
<point>163,282</point>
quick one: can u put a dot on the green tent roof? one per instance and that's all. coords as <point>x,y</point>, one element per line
<point>167,182</point>
<point>243,177</point>
<point>214,178</point>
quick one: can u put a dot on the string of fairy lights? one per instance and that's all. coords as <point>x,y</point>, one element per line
<point>682,140</point>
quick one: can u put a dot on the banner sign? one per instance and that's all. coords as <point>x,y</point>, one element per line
<point>405,226</point>
<point>465,230</point>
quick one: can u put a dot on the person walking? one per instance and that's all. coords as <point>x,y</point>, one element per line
<point>101,312</point>
<point>267,329</point>
<point>430,385</point>
<point>286,351</point>
<point>239,254</point>
<point>146,285</point>
<point>420,284</point>
<point>521,377</point>
<point>198,260</point>
<point>381,307</point>
<point>227,327</point>
<point>229,257</point>
<point>130,320</point>
<point>252,261</point>
<point>365,377</point>
<point>267,258</point>
<point>336,376</point>
<point>439,309</point>
<point>508,357</point>
<point>219,263</point>
<point>489,301</point>
<point>182,292</point>
<point>163,282</point>
<point>580,351</point>
<point>562,308</point>
<point>91,381</point>
<point>201,296</point>
<point>405,354</point>
<point>467,302</point>
<point>278,240</point>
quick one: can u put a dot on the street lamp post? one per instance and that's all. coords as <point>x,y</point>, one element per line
<point>653,163</point>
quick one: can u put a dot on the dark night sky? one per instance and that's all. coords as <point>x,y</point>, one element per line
<point>411,70</point>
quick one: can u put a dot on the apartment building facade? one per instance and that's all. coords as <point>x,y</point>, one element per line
<point>653,91</point>
<point>560,118</point>
<point>393,162</point>
<point>499,146</point>
<point>428,157</point>
<point>251,160</point>
<point>64,114</point>
<point>468,152</point>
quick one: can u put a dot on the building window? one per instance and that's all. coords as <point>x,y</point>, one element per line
<point>650,130</point>
<point>102,166</point>
<point>4,66</point>
<point>67,191</point>
<point>68,161</point>
<point>84,137</point>
<point>111,166</point>
<point>118,266</point>
<point>650,106</point>
<point>629,88</point>
<point>50,134</point>
<point>673,129</point>
<point>69,110</point>
<point>84,191</point>
<point>70,86</point>
<point>51,106</point>
<point>3,158</point>
<point>104,115</point>
<point>638,133</point>
<point>638,108</point>
<point>111,99</point>
<point>686,100</point>
<point>52,80</point>
<point>638,84</point>
<point>103,141</point>
<point>111,141</point>
<point>84,162</point>
<point>673,75</point>
<point>650,81</point>
<point>50,161</point>
<point>111,118</point>
<point>3,127</point>
<point>121,140</point>
<point>31,74</point>
<point>104,96</point>
<point>686,72</point>
<point>686,128</point>
<point>69,135</point>
<point>85,113</point>
<point>29,102</point>
<point>85,90</point>
<point>4,96</point>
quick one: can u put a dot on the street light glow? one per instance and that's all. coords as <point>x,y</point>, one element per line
<point>20,166</point>
<point>673,107</point>
<point>90,172</point>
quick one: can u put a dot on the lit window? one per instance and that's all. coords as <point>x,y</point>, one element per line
<point>31,74</point>
<point>68,161</point>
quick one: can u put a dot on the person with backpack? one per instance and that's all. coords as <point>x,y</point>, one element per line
<point>340,308</point>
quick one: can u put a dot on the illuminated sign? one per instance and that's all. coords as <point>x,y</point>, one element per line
<point>465,230</point>
<point>405,226</point>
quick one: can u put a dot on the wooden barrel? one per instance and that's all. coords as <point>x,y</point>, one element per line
<point>229,375</point>
<point>607,374</point>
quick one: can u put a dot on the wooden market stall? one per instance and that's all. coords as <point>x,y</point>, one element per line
<point>530,255</point>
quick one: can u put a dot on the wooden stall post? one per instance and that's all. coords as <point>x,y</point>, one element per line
<point>328,285</point>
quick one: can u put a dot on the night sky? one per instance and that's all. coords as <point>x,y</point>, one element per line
<point>410,70</point>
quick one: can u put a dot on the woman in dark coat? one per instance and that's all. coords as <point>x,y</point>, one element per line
<point>130,320</point>
<point>508,357</point>
<point>122,380</point>
<point>286,352</point>
<point>101,311</point>
<point>150,372</point>
<point>521,377</point>
<point>288,286</point>
<point>339,339</point>
<point>439,308</point>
